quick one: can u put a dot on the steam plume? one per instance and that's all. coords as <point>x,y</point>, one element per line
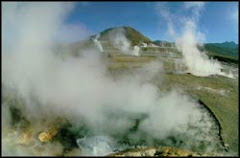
<point>98,43</point>
<point>197,61</point>
<point>119,40</point>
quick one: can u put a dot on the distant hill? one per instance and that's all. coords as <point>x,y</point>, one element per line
<point>225,48</point>
<point>163,43</point>
<point>226,44</point>
<point>226,51</point>
<point>131,34</point>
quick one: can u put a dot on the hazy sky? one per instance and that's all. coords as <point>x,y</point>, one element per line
<point>218,20</point>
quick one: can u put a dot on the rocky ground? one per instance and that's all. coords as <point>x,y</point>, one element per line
<point>160,151</point>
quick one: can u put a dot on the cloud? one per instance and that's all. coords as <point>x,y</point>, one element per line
<point>85,3</point>
<point>162,10</point>
<point>192,5</point>
<point>196,8</point>
<point>235,18</point>
<point>235,14</point>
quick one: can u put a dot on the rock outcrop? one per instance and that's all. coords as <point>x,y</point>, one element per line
<point>48,135</point>
<point>160,151</point>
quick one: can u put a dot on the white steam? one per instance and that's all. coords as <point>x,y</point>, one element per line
<point>96,145</point>
<point>98,43</point>
<point>197,61</point>
<point>80,88</point>
<point>119,40</point>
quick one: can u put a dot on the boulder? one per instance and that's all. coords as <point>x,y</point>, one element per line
<point>48,135</point>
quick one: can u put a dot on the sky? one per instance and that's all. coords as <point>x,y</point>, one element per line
<point>218,20</point>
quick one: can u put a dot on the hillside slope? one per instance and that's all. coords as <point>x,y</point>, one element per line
<point>226,51</point>
<point>134,36</point>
